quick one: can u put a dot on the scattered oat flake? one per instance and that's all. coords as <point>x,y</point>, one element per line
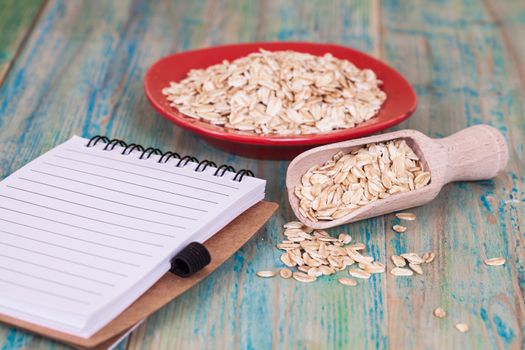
<point>428,257</point>
<point>401,271</point>
<point>345,238</point>
<point>266,274</point>
<point>293,224</point>
<point>348,281</point>
<point>416,268</point>
<point>285,273</point>
<point>304,269</point>
<point>287,260</point>
<point>462,327</point>
<point>398,260</point>
<point>359,273</point>
<point>374,267</point>
<point>413,258</point>
<point>315,272</point>
<point>303,277</point>
<point>399,228</point>
<point>440,313</point>
<point>406,216</point>
<point>326,270</point>
<point>495,261</point>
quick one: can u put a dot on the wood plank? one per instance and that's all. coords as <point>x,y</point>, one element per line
<point>466,67</point>
<point>16,20</point>
<point>239,310</point>
<point>455,55</point>
<point>105,49</point>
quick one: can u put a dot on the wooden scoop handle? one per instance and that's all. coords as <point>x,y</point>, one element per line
<point>476,153</point>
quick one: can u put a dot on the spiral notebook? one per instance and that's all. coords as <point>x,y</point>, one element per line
<point>89,226</point>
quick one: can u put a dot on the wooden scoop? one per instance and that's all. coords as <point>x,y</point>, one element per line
<point>476,153</point>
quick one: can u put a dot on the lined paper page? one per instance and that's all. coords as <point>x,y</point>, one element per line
<point>80,227</point>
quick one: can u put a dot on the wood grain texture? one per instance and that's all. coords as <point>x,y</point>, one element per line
<point>16,19</point>
<point>455,55</point>
<point>81,70</point>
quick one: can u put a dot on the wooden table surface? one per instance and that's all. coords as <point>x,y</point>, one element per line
<point>76,66</point>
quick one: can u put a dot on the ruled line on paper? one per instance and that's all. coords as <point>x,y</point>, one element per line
<point>43,291</point>
<point>50,281</point>
<point>83,228</point>
<point>142,175</point>
<point>95,208</point>
<point>150,167</point>
<point>86,217</point>
<point>117,191</point>
<point>130,183</point>
<point>69,248</point>
<point>57,270</point>
<point>76,238</point>
<point>64,259</point>
<point>108,200</point>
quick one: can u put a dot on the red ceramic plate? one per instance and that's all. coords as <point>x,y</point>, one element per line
<point>400,103</point>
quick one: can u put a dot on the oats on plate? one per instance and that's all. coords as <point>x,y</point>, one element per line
<point>279,93</point>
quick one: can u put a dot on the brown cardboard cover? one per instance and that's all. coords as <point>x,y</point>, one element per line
<point>221,246</point>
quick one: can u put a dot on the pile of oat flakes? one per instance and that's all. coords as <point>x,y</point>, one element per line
<point>279,93</point>
<point>314,253</point>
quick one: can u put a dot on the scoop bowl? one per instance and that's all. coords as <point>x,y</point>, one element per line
<point>476,153</point>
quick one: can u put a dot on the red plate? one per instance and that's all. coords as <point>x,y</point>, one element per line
<point>400,103</point>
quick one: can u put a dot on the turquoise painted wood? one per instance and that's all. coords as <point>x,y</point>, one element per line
<point>81,70</point>
<point>16,18</point>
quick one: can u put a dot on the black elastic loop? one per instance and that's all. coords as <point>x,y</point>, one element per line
<point>224,168</point>
<point>242,173</point>
<point>148,152</point>
<point>168,156</point>
<point>186,160</point>
<point>110,146</point>
<point>131,147</point>
<point>190,260</point>
<point>205,163</point>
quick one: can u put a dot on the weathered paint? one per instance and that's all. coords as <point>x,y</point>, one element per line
<point>81,69</point>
